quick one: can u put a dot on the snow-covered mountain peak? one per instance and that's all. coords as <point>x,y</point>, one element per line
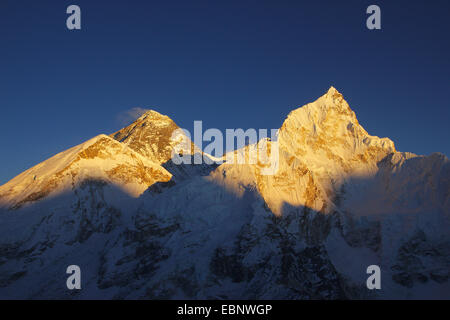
<point>329,126</point>
<point>344,200</point>
<point>150,135</point>
<point>321,146</point>
<point>153,115</point>
<point>330,105</point>
<point>101,159</point>
<point>332,91</point>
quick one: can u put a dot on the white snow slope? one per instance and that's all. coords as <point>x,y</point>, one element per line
<point>141,227</point>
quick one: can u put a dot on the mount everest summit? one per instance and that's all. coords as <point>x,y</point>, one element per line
<point>141,227</point>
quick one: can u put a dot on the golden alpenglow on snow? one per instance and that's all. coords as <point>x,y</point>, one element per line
<point>343,216</point>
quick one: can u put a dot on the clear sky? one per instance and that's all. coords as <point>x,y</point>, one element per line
<point>232,64</point>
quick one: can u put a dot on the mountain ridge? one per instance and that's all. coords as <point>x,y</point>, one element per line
<point>95,155</point>
<point>321,134</point>
<point>341,200</point>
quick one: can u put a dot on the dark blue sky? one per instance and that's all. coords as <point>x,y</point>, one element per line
<point>229,63</point>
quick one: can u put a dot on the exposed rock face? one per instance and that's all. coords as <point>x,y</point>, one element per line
<point>150,136</point>
<point>421,260</point>
<point>340,201</point>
